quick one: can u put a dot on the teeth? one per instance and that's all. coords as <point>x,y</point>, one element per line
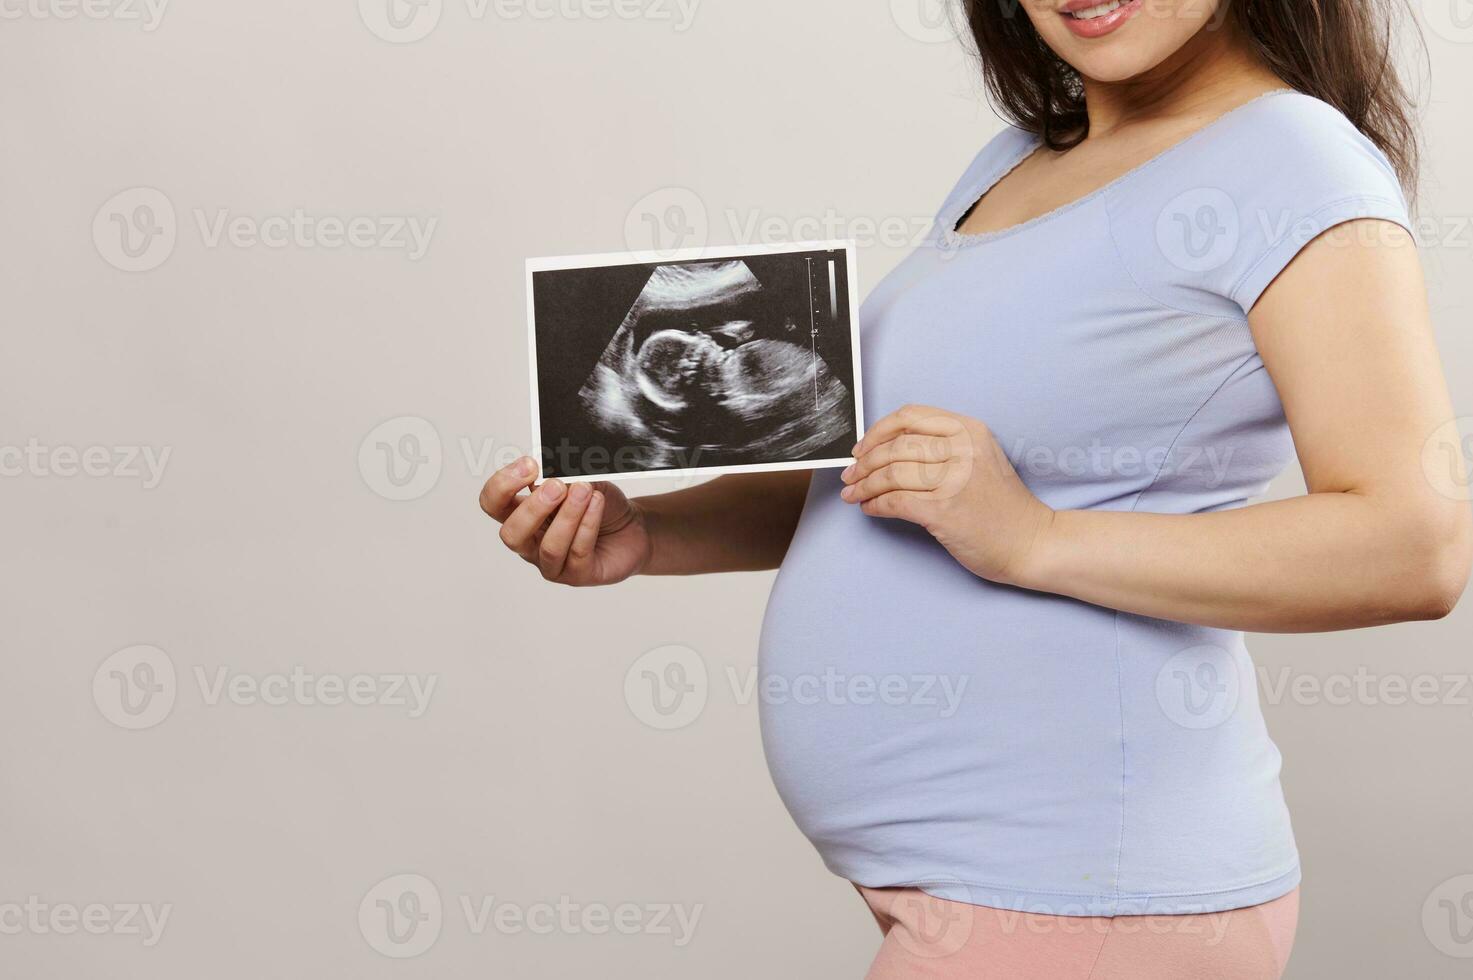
<point>1099,11</point>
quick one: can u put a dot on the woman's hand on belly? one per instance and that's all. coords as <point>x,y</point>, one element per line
<point>947,473</point>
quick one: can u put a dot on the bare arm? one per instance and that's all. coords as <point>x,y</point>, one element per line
<point>1345,334</point>
<point>592,534</point>
<point>738,523</point>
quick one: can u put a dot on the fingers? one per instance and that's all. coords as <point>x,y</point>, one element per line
<point>905,475</point>
<point>499,495</point>
<point>920,449</point>
<point>580,554</point>
<point>900,505</point>
<point>920,419</point>
<point>552,552</point>
<point>519,531</point>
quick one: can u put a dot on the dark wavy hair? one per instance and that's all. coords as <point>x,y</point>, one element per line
<point>1339,51</point>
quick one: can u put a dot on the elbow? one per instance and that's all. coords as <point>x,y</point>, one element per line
<point>1443,557</point>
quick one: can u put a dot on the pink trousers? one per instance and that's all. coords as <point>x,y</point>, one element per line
<point>928,937</point>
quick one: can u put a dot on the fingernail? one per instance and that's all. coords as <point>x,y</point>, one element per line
<point>855,451</point>
<point>551,490</point>
<point>848,472</point>
<point>579,492</point>
<point>847,493</point>
<point>525,466</point>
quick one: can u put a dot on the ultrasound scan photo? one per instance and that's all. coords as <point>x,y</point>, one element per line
<point>737,362</point>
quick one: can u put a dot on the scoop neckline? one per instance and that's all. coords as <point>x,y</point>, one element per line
<point>951,238</point>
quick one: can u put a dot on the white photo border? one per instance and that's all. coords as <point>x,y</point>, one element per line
<point>601,259</point>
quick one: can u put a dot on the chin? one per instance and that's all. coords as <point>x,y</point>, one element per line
<point>1114,66</point>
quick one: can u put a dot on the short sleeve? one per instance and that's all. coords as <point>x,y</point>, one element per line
<point>1000,154</point>
<point>1208,226</point>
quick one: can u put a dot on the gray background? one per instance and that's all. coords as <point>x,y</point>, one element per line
<point>272,543</point>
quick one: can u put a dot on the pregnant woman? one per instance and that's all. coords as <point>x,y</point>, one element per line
<point>1185,261</point>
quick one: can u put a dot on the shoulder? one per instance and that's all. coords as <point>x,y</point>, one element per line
<point>1305,142</point>
<point>1210,223</point>
<point>998,154</point>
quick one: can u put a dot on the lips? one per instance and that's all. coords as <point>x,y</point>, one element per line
<point>1098,18</point>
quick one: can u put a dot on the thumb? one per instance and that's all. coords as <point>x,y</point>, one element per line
<point>616,505</point>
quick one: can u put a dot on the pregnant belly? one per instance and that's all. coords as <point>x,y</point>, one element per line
<point>907,704</point>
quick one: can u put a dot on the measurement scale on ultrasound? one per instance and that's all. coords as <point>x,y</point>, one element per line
<point>814,311</point>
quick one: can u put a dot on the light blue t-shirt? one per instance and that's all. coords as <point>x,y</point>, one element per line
<point>1018,749</point>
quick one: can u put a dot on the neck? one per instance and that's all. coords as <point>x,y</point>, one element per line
<point>1216,68</point>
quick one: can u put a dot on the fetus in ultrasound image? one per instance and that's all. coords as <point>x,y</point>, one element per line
<point>728,362</point>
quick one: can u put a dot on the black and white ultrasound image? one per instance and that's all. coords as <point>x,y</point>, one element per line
<point>693,364</point>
